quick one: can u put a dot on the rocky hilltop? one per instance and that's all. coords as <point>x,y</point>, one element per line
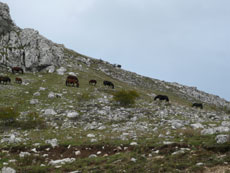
<point>25,47</point>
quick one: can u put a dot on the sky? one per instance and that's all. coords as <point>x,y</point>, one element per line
<point>181,41</point>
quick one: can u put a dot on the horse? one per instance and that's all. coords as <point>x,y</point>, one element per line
<point>162,97</point>
<point>93,82</point>
<point>17,69</point>
<point>5,79</point>
<point>108,83</point>
<point>197,105</point>
<point>72,82</point>
<point>72,77</point>
<point>18,80</point>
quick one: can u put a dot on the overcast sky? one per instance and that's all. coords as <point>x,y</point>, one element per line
<point>184,41</point>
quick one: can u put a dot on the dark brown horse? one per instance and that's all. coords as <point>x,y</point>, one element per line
<point>71,82</point>
<point>72,77</point>
<point>18,80</point>
<point>93,82</point>
<point>108,83</point>
<point>17,70</point>
<point>4,79</point>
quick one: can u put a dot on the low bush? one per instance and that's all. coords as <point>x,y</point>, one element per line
<point>125,98</point>
<point>8,115</point>
<point>32,120</point>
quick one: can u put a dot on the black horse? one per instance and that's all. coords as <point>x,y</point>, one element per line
<point>162,97</point>
<point>108,83</point>
<point>93,82</point>
<point>5,79</point>
<point>17,69</point>
<point>197,105</point>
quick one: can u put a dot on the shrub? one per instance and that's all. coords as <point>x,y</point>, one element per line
<point>125,98</point>
<point>8,114</point>
<point>32,120</point>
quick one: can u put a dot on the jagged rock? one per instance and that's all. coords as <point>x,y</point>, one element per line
<point>220,139</point>
<point>26,47</point>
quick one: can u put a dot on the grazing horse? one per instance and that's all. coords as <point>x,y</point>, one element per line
<point>93,82</point>
<point>18,80</point>
<point>108,83</point>
<point>197,105</point>
<point>71,82</point>
<point>72,77</point>
<point>162,97</point>
<point>17,69</point>
<point>5,79</point>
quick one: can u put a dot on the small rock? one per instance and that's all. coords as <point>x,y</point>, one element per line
<point>91,135</point>
<point>34,101</point>
<point>8,170</point>
<point>197,126</point>
<point>133,143</point>
<point>77,153</point>
<point>23,154</point>
<point>52,142</point>
<point>93,156</point>
<point>72,114</point>
<point>221,139</point>
<point>50,112</point>
<point>133,159</point>
<point>37,94</point>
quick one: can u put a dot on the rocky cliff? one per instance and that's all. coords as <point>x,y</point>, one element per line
<point>25,47</point>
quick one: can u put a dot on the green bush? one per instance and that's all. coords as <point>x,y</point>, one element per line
<point>32,120</point>
<point>125,98</point>
<point>8,114</point>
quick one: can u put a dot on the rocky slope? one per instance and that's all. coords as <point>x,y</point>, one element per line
<point>64,129</point>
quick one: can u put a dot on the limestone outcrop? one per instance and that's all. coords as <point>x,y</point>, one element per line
<point>26,47</point>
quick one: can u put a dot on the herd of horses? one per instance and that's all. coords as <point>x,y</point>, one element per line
<point>72,80</point>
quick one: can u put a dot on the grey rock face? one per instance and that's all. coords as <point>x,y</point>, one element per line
<point>26,47</point>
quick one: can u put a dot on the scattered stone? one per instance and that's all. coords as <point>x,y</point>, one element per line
<point>133,160</point>
<point>50,112</point>
<point>91,136</point>
<point>93,156</point>
<point>133,143</point>
<point>34,101</point>
<point>72,114</point>
<point>197,126</point>
<point>61,71</point>
<point>8,170</point>
<point>77,153</point>
<point>23,154</point>
<point>52,142</point>
<point>221,139</point>
<point>62,161</point>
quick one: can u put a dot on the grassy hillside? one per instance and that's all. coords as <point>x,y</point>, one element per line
<point>148,136</point>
